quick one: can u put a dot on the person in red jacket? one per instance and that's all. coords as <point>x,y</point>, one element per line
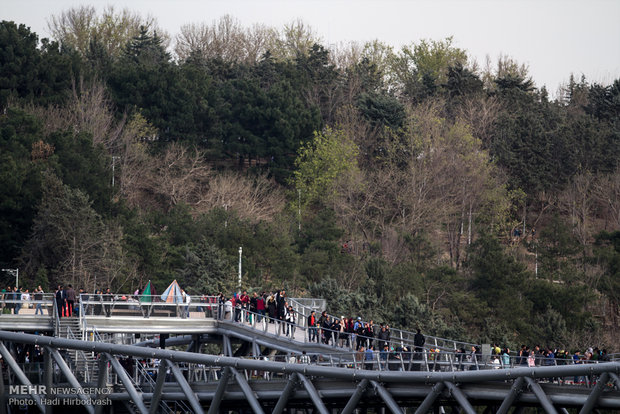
<point>313,331</point>
<point>260,307</point>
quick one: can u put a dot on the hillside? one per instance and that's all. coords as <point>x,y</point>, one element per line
<point>409,184</point>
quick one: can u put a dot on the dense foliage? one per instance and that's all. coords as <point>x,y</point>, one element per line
<point>405,186</point>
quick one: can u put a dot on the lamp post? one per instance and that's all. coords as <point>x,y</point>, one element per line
<point>14,272</point>
<point>240,252</point>
<point>114,158</point>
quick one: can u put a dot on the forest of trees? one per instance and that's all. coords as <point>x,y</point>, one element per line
<point>408,185</point>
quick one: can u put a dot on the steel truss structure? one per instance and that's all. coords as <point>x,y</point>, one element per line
<point>267,386</point>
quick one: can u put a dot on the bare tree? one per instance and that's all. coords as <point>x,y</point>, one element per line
<point>607,195</point>
<point>87,110</point>
<point>78,26</point>
<point>480,113</point>
<point>92,112</point>
<point>345,55</point>
<point>255,199</point>
<point>434,176</point>
<point>257,41</point>
<point>179,176</point>
<point>134,161</point>
<point>577,202</point>
<point>504,67</point>
<point>296,38</point>
<point>74,27</point>
<point>224,39</point>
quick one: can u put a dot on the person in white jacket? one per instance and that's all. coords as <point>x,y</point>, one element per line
<point>289,317</point>
<point>188,300</point>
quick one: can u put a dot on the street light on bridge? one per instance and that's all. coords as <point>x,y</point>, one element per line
<point>240,253</point>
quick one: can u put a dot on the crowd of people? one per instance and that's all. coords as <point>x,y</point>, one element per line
<point>66,300</point>
<point>369,340</point>
<point>365,337</point>
<point>270,305</point>
<point>373,342</point>
<point>529,357</point>
<point>14,299</point>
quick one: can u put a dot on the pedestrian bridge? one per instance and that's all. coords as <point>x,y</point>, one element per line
<point>115,349</point>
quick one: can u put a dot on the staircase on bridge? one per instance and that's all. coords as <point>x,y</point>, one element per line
<point>84,363</point>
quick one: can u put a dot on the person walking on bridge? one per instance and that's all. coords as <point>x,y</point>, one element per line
<point>383,337</point>
<point>38,297</point>
<point>70,298</point>
<point>418,341</point>
<point>313,334</point>
<point>60,300</point>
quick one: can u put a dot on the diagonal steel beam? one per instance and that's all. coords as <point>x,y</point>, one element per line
<point>159,386</point>
<point>355,398</point>
<point>6,354</point>
<point>461,377</point>
<point>129,407</point>
<point>227,346</point>
<point>102,380</point>
<point>286,394</point>
<point>314,394</point>
<point>122,375</point>
<point>247,391</point>
<point>62,364</point>
<point>214,408</point>
<point>387,397</point>
<point>185,387</point>
<point>48,377</point>
<point>430,398</point>
<point>513,395</point>
<point>542,397</point>
<point>3,394</point>
<point>460,397</point>
<point>595,394</point>
<point>616,379</point>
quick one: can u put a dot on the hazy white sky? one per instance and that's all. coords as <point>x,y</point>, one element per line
<point>553,37</point>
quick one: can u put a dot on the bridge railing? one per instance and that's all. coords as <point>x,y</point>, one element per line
<point>294,331</point>
<point>200,306</point>
<point>398,337</point>
<point>467,382</point>
<point>146,306</point>
<point>144,371</point>
<point>26,304</point>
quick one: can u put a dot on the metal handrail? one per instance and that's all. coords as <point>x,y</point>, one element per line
<point>262,323</point>
<point>540,373</point>
<point>404,337</point>
<point>143,374</point>
<point>56,319</point>
<point>71,335</point>
<point>7,301</point>
<point>209,305</point>
<point>106,304</point>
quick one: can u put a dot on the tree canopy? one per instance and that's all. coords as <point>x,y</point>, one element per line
<point>405,185</point>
